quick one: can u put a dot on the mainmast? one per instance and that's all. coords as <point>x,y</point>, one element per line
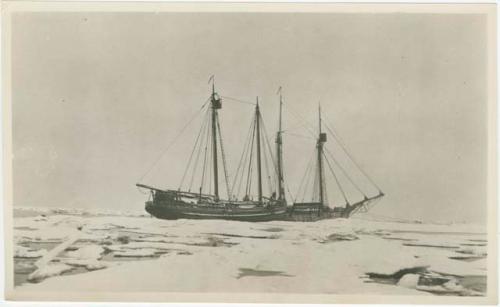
<point>279,152</point>
<point>215,105</point>
<point>259,170</point>
<point>321,141</point>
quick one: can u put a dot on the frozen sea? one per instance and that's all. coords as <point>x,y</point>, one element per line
<point>61,250</point>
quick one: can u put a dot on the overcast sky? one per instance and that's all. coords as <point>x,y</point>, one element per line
<point>98,96</point>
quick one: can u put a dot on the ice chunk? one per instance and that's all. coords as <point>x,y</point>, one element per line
<point>86,252</point>
<point>89,264</point>
<point>145,252</point>
<point>445,266</point>
<point>449,287</point>
<point>409,281</point>
<point>473,250</point>
<point>334,237</point>
<point>40,218</point>
<point>40,263</point>
<point>48,271</point>
<point>453,285</point>
<point>24,252</point>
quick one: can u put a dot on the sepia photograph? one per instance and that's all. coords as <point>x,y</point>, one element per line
<point>246,152</point>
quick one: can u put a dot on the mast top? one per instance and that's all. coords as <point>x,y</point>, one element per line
<point>212,78</point>
<point>281,107</point>
<point>322,135</point>
<point>319,115</point>
<point>216,101</point>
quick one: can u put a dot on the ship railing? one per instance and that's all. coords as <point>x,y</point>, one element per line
<point>178,193</point>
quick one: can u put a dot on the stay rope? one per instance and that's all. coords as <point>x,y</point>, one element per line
<point>200,149</point>
<point>336,179</point>
<point>192,154</point>
<point>345,173</point>
<point>344,148</point>
<point>224,163</point>
<point>241,163</point>
<point>164,151</point>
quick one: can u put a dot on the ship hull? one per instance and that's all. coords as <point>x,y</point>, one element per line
<point>173,212</point>
<point>173,205</point>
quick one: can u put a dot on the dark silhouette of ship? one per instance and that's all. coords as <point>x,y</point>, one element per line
<point>257,157</point>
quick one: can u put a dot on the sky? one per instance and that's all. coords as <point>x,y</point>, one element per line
<point>98,97</point>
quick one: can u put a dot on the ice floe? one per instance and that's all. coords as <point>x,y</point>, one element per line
<point>48,271</point>
<point>143,252</point>
<point>89,264</point>
<point>369,257</point>
<point>86,252</point>
<point>25,252</point>
<point>409,281</point>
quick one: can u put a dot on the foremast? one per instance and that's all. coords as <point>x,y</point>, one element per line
<point>319,146</point>
<point>215,105</point>
<point>259,159</point>
<point>279,152</point>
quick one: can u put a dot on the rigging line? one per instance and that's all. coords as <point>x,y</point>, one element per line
<point>290,193</point>
<point>203,172</point>
<point>291,197</point>
<point>196,114</point>
<point>298,135</point>
<point>277,175</point>
<point>249,183</point>
<point>224,163</point>
<point>269,180</point>
<point>275,165</point>
<point>344,148</point>
<point>200,149</point>
<point>205,159</point>
<point>344,172</point>
<point>206,101</point>
<point>302,120</point>
<point>242,175</point>
<point>210,163</point>
<point>191,156</point>
<point>243,155</point>
<point>238,100</point>
<point>276,171</point>
<point>325,191</point>
<point>336,179</point>
<point>283,181</point>
<point>266,165</point>
<point>306,175</point>
<point>269,146</point>
<point>315,183</point>
<point>306,178</point>
<point>197,160</point>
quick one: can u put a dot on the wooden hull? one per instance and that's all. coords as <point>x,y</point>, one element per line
<point>173,211</point>
<point>166,205</point>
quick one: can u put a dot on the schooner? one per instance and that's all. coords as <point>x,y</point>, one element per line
<point>257,158</point>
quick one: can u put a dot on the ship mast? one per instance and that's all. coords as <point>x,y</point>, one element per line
<point>279,151</point>
<point>321,141</point>
<point>259,170</point>
<point>215,105</point>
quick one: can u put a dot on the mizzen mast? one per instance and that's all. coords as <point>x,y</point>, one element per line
<point>279,151</point>
<point>320,142</point>
<point>259,163</point>
<point>215,105</point>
